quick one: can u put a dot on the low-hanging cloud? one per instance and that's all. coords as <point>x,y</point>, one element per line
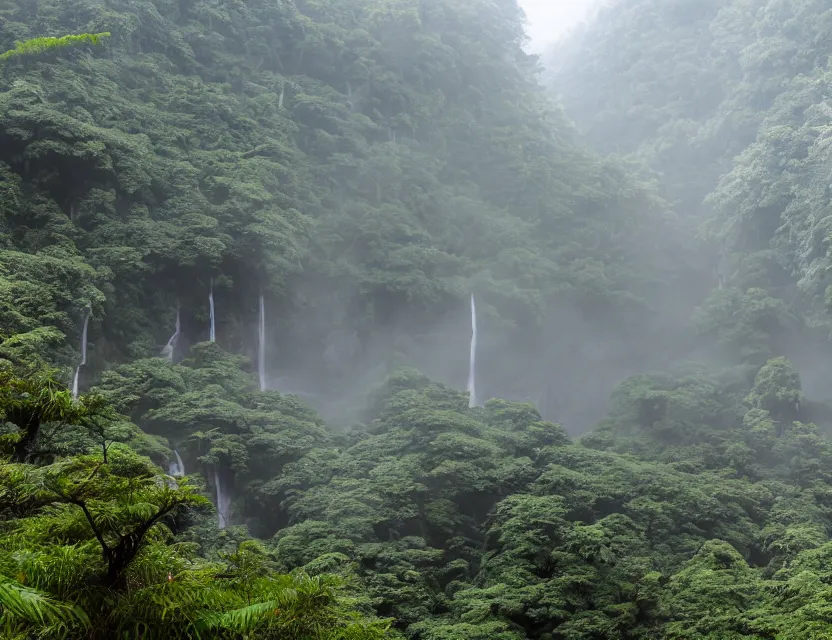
<point>550,19</point>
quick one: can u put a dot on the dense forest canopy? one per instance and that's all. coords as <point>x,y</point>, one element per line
<point>240,249</point>
<point>366,176</point>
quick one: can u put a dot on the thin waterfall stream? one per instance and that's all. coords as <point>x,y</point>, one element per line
<point>177,467</point>
<point>261,345</point>
<point>472,362</point>
<point>170,347</point>
<point>213,332</point>
<point>77,377</point>
<point>223,502</point>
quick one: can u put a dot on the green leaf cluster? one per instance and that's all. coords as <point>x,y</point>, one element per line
<point>40,45</point>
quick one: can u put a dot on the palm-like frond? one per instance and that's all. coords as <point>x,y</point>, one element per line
<point>360,629</point>
<point>291,607</point>
<point>20,603</point>
<point>61,570</point>
<point>284,602</point>
<point>39,45</point>
<point>88,550</point>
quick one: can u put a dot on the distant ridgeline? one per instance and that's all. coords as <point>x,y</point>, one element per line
<point>212,211</point>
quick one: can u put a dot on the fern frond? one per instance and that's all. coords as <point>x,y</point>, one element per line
<point>34,607</point>
<point>248,618</point>
<point>39,45</point>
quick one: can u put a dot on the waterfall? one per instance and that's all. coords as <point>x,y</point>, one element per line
<point>171,345</point>
<point>177,468</point>
<point>261,345</point>
<point>472,364</point>
<point>76,378</point>
<point>213,335</point>
<point>84,337</point>
<point>75,382</point>
<point>223,502</point>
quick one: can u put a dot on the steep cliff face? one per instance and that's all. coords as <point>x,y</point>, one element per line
<point>364,165</point>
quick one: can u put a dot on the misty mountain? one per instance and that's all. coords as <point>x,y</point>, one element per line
<point>250,253</point>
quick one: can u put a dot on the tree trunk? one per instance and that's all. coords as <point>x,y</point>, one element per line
<point>24,447</point>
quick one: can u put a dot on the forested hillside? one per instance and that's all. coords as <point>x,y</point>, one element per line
<point>366,166</point>
<point>240,247</point>
<point>727,101</point>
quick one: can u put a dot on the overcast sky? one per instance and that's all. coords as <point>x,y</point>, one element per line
<point>549,19</point>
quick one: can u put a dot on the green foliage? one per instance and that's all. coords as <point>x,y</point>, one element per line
<point>206,407</point>
<point>364,166</point>
<point>716,582</point>
<point>21,606</point>
<point>731,112</point>
<point>88,549</point>
<point>40,45</point>
<point>488,522</point>
<point>39,407</point>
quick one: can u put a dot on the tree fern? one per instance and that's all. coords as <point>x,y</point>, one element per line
<point>87,549</point>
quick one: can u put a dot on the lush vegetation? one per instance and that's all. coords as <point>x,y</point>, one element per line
<point>41,45</point>
<point>364,166</point>
<point>365,174</point>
